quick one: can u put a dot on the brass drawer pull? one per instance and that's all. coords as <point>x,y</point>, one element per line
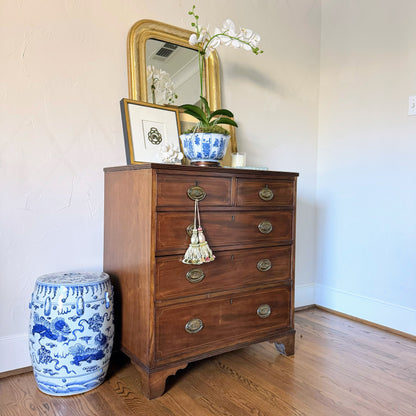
<point>264,265</point>
<point>266,194</point>
<point>265,227</point>
<point>196,193</point>
<point>194,326</point>
<point>195,275</point>
<point>264,311</point>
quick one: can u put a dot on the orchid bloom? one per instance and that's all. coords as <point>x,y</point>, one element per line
<point>161,86</point>
<point>200,37</point>
<point>228,36</point>
<point>193,39</point>
<point>228,27</point>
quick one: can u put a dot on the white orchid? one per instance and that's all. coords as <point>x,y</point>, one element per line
<point>193,39</point>
<point>207,43</point>
<point>212,45</point>
<point>249,38</point>
<point>161,86</point>
<point>200,37</point>
<point>228,27</point>
<point>247,33</point>
<point>227,35</point>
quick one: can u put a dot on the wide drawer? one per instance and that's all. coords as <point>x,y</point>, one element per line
<point>222,229</point>
<point>172,190</point>
<point>210,324</point>
<point>265,192</point>
<point>230,270</point>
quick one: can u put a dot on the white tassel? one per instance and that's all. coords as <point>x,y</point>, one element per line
<point>193,254</point>
<point>206,251</point>
<point>198,251</point>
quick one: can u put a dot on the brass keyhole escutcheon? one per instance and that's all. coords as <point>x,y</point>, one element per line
<point>266,194</point>
<point>264,265</point>
<point>193,326</point>
<point>264,311</point>
<point>196,193</point>
<point>265,227</point>
<point>195,276</point>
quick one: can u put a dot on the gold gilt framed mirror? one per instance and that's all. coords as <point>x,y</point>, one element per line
<point>166,47</point>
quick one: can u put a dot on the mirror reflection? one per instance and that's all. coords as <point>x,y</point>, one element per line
<point>172,73</point>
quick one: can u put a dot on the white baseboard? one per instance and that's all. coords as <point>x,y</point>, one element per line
<point>304,295</point>
<point>14,352</point>
<point>393,316</point>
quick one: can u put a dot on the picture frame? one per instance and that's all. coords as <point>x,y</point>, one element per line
<point>146,128</point>
<point>187,122</point>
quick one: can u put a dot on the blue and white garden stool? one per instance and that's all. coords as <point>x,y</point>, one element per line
<point>71,331</point>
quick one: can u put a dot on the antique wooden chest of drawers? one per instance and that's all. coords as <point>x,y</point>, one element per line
<point>173,313</point>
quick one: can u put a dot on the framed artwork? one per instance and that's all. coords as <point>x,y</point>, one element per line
<point>147,127</point>
<point>187,122</point>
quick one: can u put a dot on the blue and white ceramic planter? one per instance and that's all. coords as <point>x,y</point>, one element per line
<point>71,331</point>
<point>201,148</point>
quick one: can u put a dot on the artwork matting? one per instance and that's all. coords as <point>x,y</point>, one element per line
<point>147,127</point>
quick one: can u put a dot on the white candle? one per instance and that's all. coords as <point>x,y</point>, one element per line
<point>238,159</point>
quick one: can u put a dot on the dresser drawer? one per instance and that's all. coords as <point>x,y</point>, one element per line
<point>230,270</point>
<point>172,190</point>
<point>222,229</point>
<point>264,192</point>
<point>214,323</point>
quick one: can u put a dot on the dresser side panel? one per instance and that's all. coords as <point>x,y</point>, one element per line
<point>292,312</point>
<point>128,254</point>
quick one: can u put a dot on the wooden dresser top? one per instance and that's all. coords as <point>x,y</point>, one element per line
<point>197,169</point>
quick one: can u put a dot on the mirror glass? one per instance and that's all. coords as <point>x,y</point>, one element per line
<point>172,73</point>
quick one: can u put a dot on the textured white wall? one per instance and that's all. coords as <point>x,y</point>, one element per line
<point>275,100</point>
<point>366,169</point>
<point>63,72</point>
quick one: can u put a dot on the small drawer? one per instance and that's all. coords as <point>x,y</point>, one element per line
<point>265,192</point>
<point>177,190</point>
<point>224,229</point>
<point>230,270</point>
<point>214,323</point>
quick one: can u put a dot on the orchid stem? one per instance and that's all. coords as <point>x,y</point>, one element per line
<point>201,76</point>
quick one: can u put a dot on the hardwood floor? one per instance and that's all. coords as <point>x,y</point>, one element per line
<point>340,367</point>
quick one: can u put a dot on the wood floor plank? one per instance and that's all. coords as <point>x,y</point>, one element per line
<point>389,367</point>
<point>204,393</point>
<point>294,384</point>
<point>258,392</point>
<point>340,368</point>
<point>184,401</point>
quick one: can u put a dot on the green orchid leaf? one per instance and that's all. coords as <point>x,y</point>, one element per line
<point>191,107</point>
<point>201,123</point>
<point>196,112</point>
<point>223,120</point>
<point>222,112</point>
